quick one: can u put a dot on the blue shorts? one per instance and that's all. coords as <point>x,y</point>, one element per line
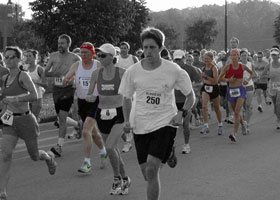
<point>233,93</point>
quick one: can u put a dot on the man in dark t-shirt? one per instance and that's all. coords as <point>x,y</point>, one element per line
<point>195,76</point>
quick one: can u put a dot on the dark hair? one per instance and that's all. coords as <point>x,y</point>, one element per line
<point>115,60</point>
<point>34,52</point>
<point>276,46</point>
<point>165,53</point>
<point>16,49</point>
<point>66,37</point>
<point>155,34</point>
<point>260,52</point>
<point>125,43</point>
<point>196,51</point>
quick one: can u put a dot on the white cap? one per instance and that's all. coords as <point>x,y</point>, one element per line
<point>274,51</point>
<point>178,54</point>
<point>107,48</point>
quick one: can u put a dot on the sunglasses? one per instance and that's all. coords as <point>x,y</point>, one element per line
<point>9,57</point>
<point>102,55</point>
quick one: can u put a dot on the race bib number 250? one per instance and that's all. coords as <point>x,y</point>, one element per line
<point>153,98</point>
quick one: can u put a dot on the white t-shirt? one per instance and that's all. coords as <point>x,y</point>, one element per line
<point>155,101</point>
<point>125,62</point>
<point>246,74</point>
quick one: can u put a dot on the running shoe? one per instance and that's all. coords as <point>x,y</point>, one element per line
<point>204,130</point>
<point>125,186</point>
<point>172,160</point>
<point>126,147</point>
<point>117,186</point>
<point>79,129</point>
<point>103,161</point>
<point>220,130</point>
<point>244,127</point>
<point>3,196</point>
<point>260,109</point>
<point>85,168</point>
<point>186,149</point>
<point>232,137</point>
<point>230,120</point>
<point>57,150</point>
<point>51,163</point>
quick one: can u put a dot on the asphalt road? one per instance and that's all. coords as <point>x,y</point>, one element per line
<point>216,169</point>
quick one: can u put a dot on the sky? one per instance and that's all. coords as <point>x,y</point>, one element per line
<point>154,5</point>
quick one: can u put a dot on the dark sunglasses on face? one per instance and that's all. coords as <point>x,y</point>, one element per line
<point>9,57</point>
<point>102,55</point>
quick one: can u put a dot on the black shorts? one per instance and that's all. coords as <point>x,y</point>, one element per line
<point>87,109</point>
<point>105,126</point>
<point>262,86</point>
<point>158,143</point>
<point>223,90</point>
<point>180,106</point>
<point>215,92</point>
<point>63,99</point>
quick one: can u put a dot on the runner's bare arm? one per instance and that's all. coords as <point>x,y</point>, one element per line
<point>222,74</point>
<point>49,66</point>
<point>70,74</point>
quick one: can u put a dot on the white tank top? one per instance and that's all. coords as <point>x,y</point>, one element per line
<point>274,83</point>
<point>247,75</point>
<point>82,80</point>
<point>125,62</point>
<point>36,78</point>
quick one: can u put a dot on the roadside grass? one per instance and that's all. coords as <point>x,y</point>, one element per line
<point>47,113</point>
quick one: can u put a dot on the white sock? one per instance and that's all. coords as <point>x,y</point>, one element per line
<point>221,124</point>
<point>206,124</point>
<point>103,151</point>
<point>87,160</point>
<point>60,141</point>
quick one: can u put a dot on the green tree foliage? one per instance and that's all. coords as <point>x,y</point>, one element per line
<point>277,29</point>
<point>25,37</point>
<point>201,34</point>
<point>170,35</point>
<point>96,21</point>
<point>251,21</point>
<point>140,21</point>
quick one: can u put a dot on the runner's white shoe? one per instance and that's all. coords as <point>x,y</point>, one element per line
<point>232,137</point>
<point>186,149</point>
<point>117,186</point>
<point>220,130</point>
<point>85,168</point>
<point>103,161</point>
<point>126,185</point>
<point>244,127</point>
<point>126,147</point>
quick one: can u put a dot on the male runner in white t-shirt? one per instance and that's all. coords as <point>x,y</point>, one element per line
<point>153,80</point>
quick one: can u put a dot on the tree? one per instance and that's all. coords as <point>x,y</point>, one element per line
<point>86,20</point>
<point>170,35</point>
<point>140,21</point>
<point>25,37</point>
<point>277,29</point>
<point>201,34</point>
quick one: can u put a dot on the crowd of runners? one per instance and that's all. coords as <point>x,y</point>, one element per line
<point>143,97</point>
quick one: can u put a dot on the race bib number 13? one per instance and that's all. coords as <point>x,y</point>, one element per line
<point>58,81</point>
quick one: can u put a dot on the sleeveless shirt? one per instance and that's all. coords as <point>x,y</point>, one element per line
<point>82,80</point>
